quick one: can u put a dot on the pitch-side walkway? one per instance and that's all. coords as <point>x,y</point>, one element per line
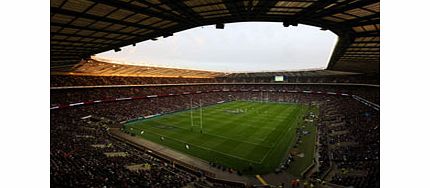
<point>187,159</point>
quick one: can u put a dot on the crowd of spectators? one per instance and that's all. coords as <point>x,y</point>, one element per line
<point>79,159</point>
<point>269,78</point>
<point>348,145</point>
<point>64,96</point>
<point>74,80</point>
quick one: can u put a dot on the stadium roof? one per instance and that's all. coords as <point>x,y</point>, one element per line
<point>95,67</point>
<point>92,67</point>
<point>81,28</point>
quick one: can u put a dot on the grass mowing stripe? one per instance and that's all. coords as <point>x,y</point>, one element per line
<point>286,139</point>
<point>219,136</point>
<point>198,146</point>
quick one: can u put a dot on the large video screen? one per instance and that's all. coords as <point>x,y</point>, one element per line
<point>279,78</point>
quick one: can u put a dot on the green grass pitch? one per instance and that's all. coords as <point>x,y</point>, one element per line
<point>249,136</point>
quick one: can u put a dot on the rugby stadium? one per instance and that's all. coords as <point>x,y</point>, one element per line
<point>125,125</point>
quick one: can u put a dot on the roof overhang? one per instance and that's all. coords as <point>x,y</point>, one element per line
<point>81,28</point>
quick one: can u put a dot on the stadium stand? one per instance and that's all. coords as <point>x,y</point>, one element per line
<point>78,157</point>
<point>350,144</point>
<point>95,72</point>
<point>72,80</point>
<point>79,94</point>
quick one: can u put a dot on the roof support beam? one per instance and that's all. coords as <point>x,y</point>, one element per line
<point>138,9</point>
<point>367,34</point>
<point>60,54</point>
<point>94,29</point>
<point>316,6</point>
<point>80,44</point>
<point>69,47</point>
<point>341,7</point>
<point>362,19</point>
<point>97,18</point>
<point>182,8</point>
<point>64,50</point>
<point>366,42</point>
<point>66,58</point>
<point>168,12</point>
<point>84,42</point>
<point>357,23</point>
<point>83,36</point>
<point>235,7</point>
<point>363,50</point>
<point>262,7</point>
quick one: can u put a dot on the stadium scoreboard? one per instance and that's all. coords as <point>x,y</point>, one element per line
<point>279,78</point>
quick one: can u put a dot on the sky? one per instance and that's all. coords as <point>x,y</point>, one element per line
<point>239,47</point>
